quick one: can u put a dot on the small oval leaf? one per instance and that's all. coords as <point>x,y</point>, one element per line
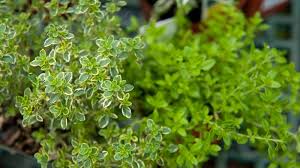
<point>79,91</point>
<point>9,59</point>
<point>39,118</point>
<point>104,62</point>
<point>128,88</point>
<point>64,123</point>
<point>208,64</point>
<point>83,77</point>
<point>103,121</point>
<point>50,41</point>
<point>103,154</point>
<point>126,111</point>
<point>80,116</point>
<point>165,130</point>
<point>172,148</point>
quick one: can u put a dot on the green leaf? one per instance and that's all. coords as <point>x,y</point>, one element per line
<point>9,59</point>
<point>99,42</point>
<point>50,41</point>
<point>11,34</point>
<point>271,152</point>
<point>64,123</point>
<point>84,61</point>
<point>35,62</point>
<point>214,149</point>
<point>118,157</point>
<point>60,75</point>
<point>182,132</point>
<point>52,53</point>
<point>42,159</point>
<point>104,62</point>
<point>53,98</point>
<point>69,36</point>
<point>79,92</point>
<point>53,109</point>
<point>84,149</point>
<point>160,162</point>
<point>69,76</point>
<point>298,147</point>
<point>67,56</point>
<point>273,165</point>
<point>83,77</point>
<point>89,93</point>
<point>43,53</point>
<point>113,71</point>
<point>150,123</point>
<point>74,143</point>
<point>242,140</point>
<point>126,111</point>
<point>49,89</point>
<point>158,137</point>
<point>103,154</point>
<point>68,90</point>
<point>275,84</point>
<point>121,3</point>
<point>106,103</point>
<point>139,163</point>
<point>2,28</point>
<point>208,64</point>
<point>103,121</point>
<point>107,94</point>
<point>39,118</point>
<point>87,163</point>
<point>128,88</point>
<point>27,92</point>
<point>66,111</point>
<point>80,116</point>
<point>165,130</point>
<point>42,77</point>
<point>227,140</point>
<point>173,148</point>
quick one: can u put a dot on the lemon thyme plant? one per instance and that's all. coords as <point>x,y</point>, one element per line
<point>216,87</point>
<point>62,64</point>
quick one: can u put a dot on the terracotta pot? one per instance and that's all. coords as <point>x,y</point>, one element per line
<point>250,7</point>
<point>146,9</point>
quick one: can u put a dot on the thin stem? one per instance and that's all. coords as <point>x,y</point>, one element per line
<point>259,87</point>
<point>276,130</point>
<point>252,136</point>
<point>261,138</point>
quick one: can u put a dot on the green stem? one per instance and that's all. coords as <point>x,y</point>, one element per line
<point>261,138</point>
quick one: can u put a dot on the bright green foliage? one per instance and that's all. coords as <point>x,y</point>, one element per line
<point>65,65</point>
<point>215,87</point>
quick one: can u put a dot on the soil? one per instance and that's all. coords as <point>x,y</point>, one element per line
<point>14,136</point>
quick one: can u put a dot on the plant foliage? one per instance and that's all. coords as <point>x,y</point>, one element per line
<point>216,87</point>
<point>68,67</point>
<point>67,57</point>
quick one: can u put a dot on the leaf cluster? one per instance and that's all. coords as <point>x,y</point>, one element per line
<point>216,87</point>
<point>69,68</point>
<point>61,66</point>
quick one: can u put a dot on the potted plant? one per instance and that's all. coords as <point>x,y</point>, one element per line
<point>61,66</point>
<point>73,74</point>
<point>216,87</point>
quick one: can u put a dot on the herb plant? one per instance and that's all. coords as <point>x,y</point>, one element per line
<point>70,69</point>
<point>67,58</point>
<point>216,87</point>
